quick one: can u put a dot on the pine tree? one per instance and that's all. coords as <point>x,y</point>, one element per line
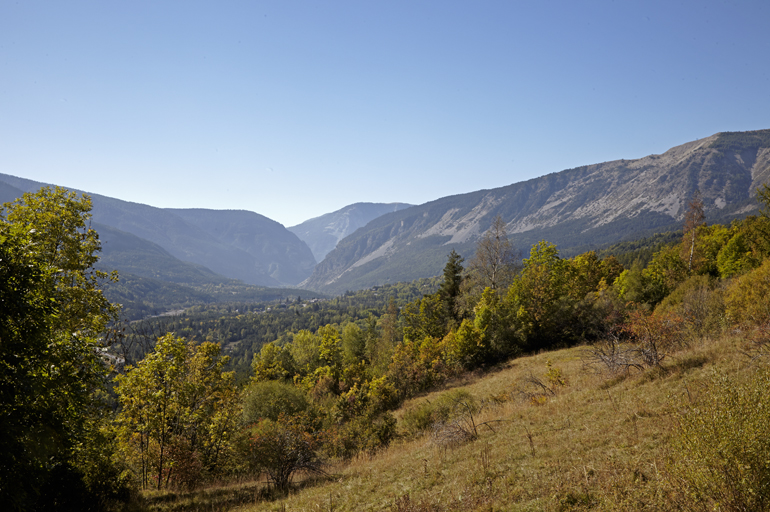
<point>450,287</point>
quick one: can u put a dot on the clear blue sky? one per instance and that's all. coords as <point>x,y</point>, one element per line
<point>295,109</point>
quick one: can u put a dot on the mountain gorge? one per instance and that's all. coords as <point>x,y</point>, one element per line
<point>576,209</point>
<point>322,234</point>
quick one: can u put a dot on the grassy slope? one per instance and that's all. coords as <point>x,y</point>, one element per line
<point>599,443</point>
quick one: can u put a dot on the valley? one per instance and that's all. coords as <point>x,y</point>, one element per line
<point>557,378</point>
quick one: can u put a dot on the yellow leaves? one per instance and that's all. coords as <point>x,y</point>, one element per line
<point>747,297</point>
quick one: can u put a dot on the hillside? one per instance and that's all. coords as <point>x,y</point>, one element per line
<point>237,245</point>
<point>577,209</point>
<point>322,234</point>
<point>153,282</point>
<point>597,442</point>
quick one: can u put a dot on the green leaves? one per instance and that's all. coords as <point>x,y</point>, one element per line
<point>178,405</point>
<point>53,320</point>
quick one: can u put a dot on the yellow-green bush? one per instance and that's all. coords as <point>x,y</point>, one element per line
<point>747,297</point>
<point>721,450</point>
<point>422,417</point>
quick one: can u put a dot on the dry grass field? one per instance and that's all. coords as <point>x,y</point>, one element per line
<point>551,435</point>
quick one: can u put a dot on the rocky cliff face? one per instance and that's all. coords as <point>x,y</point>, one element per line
<point>581,207</point>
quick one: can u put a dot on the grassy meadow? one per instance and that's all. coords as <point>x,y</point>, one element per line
<point>553,434</point>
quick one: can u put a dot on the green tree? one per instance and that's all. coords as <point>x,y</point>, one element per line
<point>273,363</point>
<point>450,286</point>
<point>535,296</point>
<point>353,344</point>
<point>424,318</point>
<point>52,331</point>
<point>178,410</point>
<point>269,399</point>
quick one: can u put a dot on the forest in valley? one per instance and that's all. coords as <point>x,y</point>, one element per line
<point>100,414</point>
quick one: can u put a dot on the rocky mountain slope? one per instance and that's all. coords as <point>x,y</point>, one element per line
<point>236,244</point>
<point>322,234</point>
<point>576,209</point>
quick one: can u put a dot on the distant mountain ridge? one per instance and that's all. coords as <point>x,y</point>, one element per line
<point>236,244</point>
<point>322,234</point>
<point>577,208</point>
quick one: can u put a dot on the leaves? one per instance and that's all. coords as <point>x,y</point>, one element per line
<point>177,404</point>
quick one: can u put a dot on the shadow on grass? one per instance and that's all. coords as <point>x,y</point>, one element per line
<point>223,498</point>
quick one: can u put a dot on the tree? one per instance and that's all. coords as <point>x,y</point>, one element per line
<point>493,265</point>
<point>534,297</point>
<point>178,410</point>
<point>693,219</point>
<point>52,330</point>
<point>450,286</point>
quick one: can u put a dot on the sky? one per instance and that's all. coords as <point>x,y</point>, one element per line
<point>293,109</point>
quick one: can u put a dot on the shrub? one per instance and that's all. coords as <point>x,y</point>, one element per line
<point>423,416</point>
<point>654,335</point>
<point>699,303</point>
<point>282,448</point>
<point>269,399</point>
<point>746,301</point>
<point>367,433</point>
<point>721,450</point>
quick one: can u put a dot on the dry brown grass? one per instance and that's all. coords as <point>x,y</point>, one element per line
<point>596,443</point>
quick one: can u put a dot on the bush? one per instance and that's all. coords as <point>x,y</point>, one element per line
<point>367,433</point>
<point>655,336</point>
<point>746,301</point>
<point>425,415</point>
<point>269,399</point>
<point>721,450</point>
<point>282,448</point>
<point>699,302</point>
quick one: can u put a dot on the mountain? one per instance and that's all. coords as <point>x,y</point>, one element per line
<point>236,244</point>
<point>577,209</point>
<point>277,251</point>
<point>131,254</point>
<point>322,234</point>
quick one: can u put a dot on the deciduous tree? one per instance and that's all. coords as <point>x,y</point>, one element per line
<point>178,408</point>
<point>52,328</point>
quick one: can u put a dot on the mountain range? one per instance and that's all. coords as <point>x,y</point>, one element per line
<point>577,209</point>
<point>366,244</point>
<point>236,244</point>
